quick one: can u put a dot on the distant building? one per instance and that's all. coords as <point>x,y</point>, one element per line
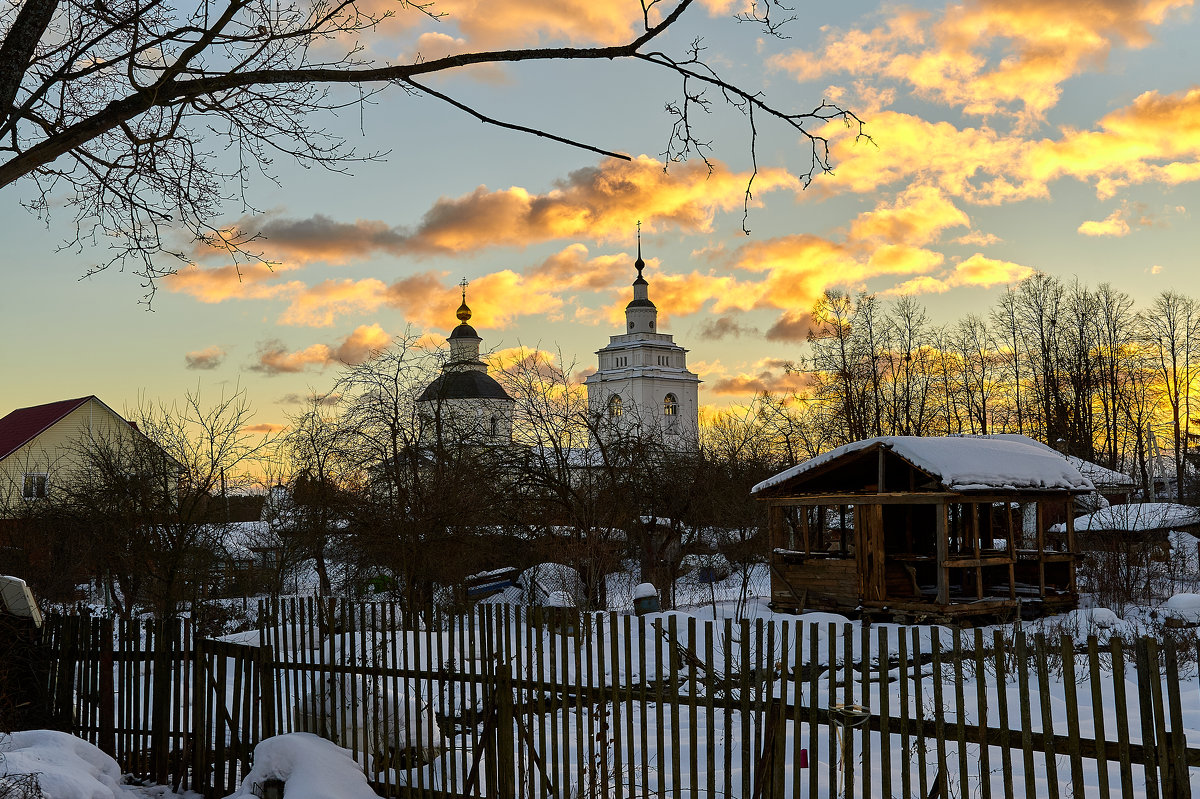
<point>40,445</point>
<point>465,404</point>
<point>642,384</point>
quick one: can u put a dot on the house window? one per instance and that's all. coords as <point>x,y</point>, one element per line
<point>670,405</point>
<point>36,486</point>
<point>614,406</point>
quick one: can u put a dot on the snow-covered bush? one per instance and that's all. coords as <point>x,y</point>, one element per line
<point>308,766</point>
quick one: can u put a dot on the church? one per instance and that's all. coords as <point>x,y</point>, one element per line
<point>641,387</point>
<point>464,400</point>
<point>642,384</point>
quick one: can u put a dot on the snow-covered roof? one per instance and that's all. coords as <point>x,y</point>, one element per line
<point>1099,475</point>
<point>1136,517</point>
<point>962,463</point>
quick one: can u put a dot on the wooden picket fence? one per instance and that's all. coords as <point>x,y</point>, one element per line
<point>506,702</point>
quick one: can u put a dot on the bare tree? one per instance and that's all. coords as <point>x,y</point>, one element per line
<point>323,477</point>
<point>1172,332</point>
<point>122,108</point>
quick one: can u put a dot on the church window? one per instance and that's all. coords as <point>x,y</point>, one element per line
<point>614,406</point>
<point>670,405</point>
<point>495,427</point>
<point>652,325</point>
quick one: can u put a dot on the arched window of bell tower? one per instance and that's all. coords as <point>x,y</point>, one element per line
<point>614,406</point>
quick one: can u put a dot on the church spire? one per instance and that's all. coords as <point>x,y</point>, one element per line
<point>640,314</point>
<point>639,264</point>
<point>463,313</point>
<point>464,341</point>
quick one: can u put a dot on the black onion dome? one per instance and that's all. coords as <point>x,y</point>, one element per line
<point>464,331</point>
<point>641,304</point>
<point>468,384</point>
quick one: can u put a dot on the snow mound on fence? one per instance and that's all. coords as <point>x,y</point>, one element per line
<point>67,767</point>
<point>310,767</point>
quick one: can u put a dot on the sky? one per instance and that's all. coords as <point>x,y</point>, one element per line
<point>1006,136</point>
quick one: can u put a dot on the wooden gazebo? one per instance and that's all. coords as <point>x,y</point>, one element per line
<point>925,528</point>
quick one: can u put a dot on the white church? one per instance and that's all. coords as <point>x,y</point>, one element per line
<point>641,387</point>
<point>642,379</point>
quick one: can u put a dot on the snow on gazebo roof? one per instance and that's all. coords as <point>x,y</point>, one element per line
<point>1137,517</point>
<point>1099,475</point>
<point>964,463</point>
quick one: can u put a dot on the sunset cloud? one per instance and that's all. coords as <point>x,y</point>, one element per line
<point>274,358</point>
<point>218,284</point>
<point>917,216</point>
<point>601,203</point>
<point>1112,225</point>
<point>266,428</point>
<point>986,57</point>
<point>1154,139</point>
<point>768,374</point>
<point>978,270</point>
<point>207,358</point>
<point>720,327</point>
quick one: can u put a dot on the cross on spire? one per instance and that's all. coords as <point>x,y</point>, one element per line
<point>463,313</point>
<point>639,264</point>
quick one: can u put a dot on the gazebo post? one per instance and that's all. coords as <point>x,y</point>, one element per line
<point>1071,543</point>
<point>943,554</point>
<point>1040,517</point>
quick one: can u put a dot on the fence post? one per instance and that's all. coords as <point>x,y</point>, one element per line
<point>266,683</point>
<point>200,776</point>
<point>506,782</point>
<point>160,699</point>
<point>108,711</point>
<point>64,676</point>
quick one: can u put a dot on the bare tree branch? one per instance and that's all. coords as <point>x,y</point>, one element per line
<point>119,109</point>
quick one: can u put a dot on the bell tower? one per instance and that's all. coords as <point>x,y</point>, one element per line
<point>642,384</point>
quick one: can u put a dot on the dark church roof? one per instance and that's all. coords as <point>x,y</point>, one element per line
<point>463,331</point>
<point>468,384</point>
<point>640,304</point>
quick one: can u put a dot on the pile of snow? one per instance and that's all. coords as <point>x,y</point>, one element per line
<point>310,767</point>
<point>1136,517</point>
<point>1088,619</point>
<point>1185,607</point>
<point>962,463</point>
<point>67,767</point>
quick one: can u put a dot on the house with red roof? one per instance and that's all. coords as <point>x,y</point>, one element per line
<point>40,445</point>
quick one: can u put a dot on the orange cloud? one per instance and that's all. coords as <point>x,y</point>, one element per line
<point>768,374</point>
<point>274,358</point>
<point>917,216</point>
<point>248,282</point>
<point>207,358</point>
<point>977,270</point>
<point>266,428</point>
<point>1156,138</point>
<point>1112,225</point>
<point>987,57</point>
<point>600,203</point>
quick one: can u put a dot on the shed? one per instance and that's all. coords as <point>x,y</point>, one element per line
<point>924,527</point>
